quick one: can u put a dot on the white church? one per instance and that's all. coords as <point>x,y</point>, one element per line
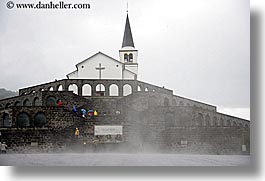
<point>102,66</point>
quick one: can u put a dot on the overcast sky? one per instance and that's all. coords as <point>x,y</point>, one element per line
<point>198,48</point>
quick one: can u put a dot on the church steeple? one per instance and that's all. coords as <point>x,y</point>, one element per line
<point>128,53</point>
<point>127,37</point>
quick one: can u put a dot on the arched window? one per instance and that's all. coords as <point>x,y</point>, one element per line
<point>199,119</point>
<point>207,120</point>
<point>174,102</point>
<point>60,88</point>
<point>17,103</point>
<point>130,57</point>
<point>113,90</point>
<point>36,101</point>
<point>181,103</point>
<point>139,89</point>
<point>222,122</point>
<point>26,103</point>
<point>74,88</point>
<point>51,101</point>
<point>233,124</point>
<point>126,57</point>
<point>50,88</point>
<point>86,90</point>
<point>100,90</point>
<point>40,119</point>
<point>6,120</point>
<point>228,122</point>
<point>127,90</point>
<point>215,121</point>
<point>7,105</point>
<point>23,120</point>
<point>166,101</point>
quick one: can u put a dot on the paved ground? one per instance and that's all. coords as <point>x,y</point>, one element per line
<point>87,159</point>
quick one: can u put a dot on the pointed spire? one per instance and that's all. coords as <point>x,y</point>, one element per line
<point>127,38</point>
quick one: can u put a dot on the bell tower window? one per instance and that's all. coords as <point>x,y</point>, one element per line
<point>130,57</point>
<point>126,57</point>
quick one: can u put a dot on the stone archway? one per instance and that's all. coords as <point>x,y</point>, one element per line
<point>51,101</point>
<point>26,102</point>
<point>23,120</point>
<point>36,102</point>
<point>40,119</point>
<point>6,120</point>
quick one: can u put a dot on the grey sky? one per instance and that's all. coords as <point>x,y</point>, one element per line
<point>198,48</point>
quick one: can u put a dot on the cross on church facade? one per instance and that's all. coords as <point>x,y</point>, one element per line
<point>99,68</point>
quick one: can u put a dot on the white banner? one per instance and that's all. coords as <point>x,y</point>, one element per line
<point>108,130</point>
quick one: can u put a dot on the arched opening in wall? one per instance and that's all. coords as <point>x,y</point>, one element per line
<point>26,103</point>
<point>36,101</point>
<point>169,120</point>
<point>23,119</point>
<point>166,101</point>
<point>51,101</point>
<point>86,90</point>
<point>229,123</point>
<point>246,126</point>
<point>233,124</point>
<point>23,93</point>
<point>199,120</point>
<point>207,120</point>
<point>130,57</point>
<point>127,90</point>
<point>221,122</point>
<point>224,123</point>
<point>17,103</point>
<point>50,88</point>
<point>100,90</point>
<point>74,88</point>
<point>113,90</point>
<point>6,120</point>
<point>7,106</point>
<point>126,57</point>
<point>146,89</point>
<point>181,103</point>
<point>174,102</point>
<point>215,121</point>
<point>40,119</point>
<point>240,125</point>
<point>41,89</point>
<point>139,89</point>
<point>60,88</point>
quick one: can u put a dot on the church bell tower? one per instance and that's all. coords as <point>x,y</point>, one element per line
<point>128,53</point>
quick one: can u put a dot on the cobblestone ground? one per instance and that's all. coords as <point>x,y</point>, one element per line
<point>88,159</point>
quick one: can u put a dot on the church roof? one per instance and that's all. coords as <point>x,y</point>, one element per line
<point>127,37</point>
<point>99,53</point>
